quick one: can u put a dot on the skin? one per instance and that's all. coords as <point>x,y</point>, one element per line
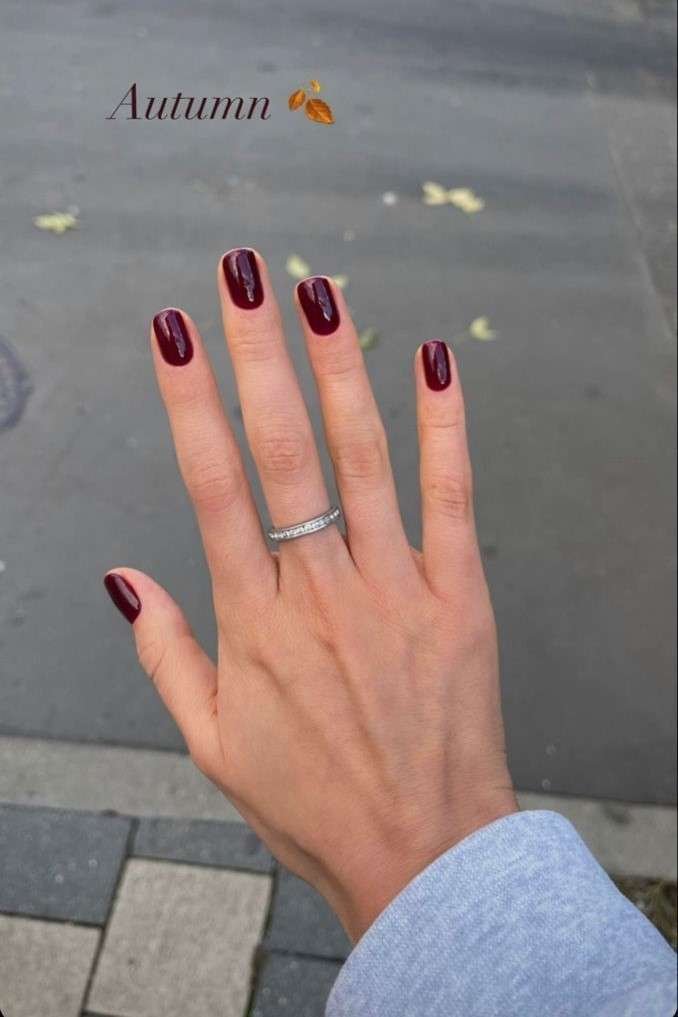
<point>354,715</point>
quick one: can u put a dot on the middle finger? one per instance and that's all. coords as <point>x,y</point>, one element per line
<point>276,421</point>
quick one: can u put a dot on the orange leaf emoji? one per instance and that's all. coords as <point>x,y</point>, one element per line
<point>318,111</point>
<point>315,85</point>
<point>296,99</point>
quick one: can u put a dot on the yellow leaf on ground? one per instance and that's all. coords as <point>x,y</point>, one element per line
<point>297,267</point>
<point>56,222</point>
<point>315,85</point>
<point>341,281</point>
<point>465,199</point>
<point>368,338</point>
<point>462,198</point>
<point>434,194</point>
<point>480,329</point>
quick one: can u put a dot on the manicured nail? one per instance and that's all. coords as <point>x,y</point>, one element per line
<point>123,596</point>
<point>437,369</point>
<point>173,338</point>
<point>317,303</point>
<point>242,278</point>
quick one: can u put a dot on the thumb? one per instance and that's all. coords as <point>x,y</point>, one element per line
<point>183,674</point>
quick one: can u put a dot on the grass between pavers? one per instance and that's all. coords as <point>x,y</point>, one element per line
<point>657,899</point>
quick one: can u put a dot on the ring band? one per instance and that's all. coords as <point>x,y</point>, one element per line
<point>302,529</point>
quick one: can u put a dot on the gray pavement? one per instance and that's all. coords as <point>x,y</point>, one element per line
<point>557,113</point>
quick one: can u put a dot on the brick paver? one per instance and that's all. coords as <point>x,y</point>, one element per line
<point>199,842</point>
<point>302,922</point>
<point>180,942</point>
<point>44,967</point>
<point>56,864</point>
<point>293,986</point>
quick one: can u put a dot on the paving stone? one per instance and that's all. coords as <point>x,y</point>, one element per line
<point>302,922</point>
<point>44,967</point>
<point>180,942</point>
<point>58,864</point>
<point>225,845</point>
<point>293,986</point>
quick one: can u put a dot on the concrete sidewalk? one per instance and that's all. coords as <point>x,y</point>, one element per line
<point>131,888</point>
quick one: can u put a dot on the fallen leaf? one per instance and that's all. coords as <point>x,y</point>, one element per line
<point>341,281</point>
<point>462,198</point>
<point>315,85</point>
<point>318,111</point>
<point>480,329</point>
<point>465,199</point>
<point>297,267</point>
<point>297,99</point>
<point>434,194</point>
<point>368,338</point>
<point>56,222</point>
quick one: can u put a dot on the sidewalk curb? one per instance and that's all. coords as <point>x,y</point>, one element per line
<point>628,839</point>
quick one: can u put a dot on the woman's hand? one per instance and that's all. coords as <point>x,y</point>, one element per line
<point>354,716</point>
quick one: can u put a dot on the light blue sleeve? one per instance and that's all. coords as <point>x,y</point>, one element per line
<point>517,920</point>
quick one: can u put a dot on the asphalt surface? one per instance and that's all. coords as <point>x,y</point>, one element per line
<point>560,116</point>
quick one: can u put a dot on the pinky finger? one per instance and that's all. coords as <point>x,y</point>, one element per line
<point>450,549</point>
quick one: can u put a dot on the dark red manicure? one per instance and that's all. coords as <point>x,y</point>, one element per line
<point>242,278</point>
<point>173,338</point>
<point>317,303</point>
<point>437,369</point>
<point>123,596</point>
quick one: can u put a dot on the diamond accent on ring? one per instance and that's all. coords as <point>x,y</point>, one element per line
<point>309,526</point>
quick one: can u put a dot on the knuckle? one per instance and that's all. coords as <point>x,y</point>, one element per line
<point>451,495</point>
<point>283,455</point>
<point>211,486</point>
<point>441,426</point>
<point>361,457</point>
<point>338,363</point>
<point>255,340</point>
<point>151,654</point>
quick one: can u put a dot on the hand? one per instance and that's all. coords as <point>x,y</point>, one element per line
<point>354,716</point>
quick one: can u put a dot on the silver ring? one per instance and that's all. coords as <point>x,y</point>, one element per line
<point>302,529</point>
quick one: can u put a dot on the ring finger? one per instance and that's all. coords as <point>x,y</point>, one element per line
<point>355,435</point>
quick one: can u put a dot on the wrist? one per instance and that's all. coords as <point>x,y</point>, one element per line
<point>361,889</point>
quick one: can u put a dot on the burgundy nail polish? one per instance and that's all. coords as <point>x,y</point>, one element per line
<point>173,338</point>
<point>317,303</point>
<point>242,278</point>
<point>437,369</point>
<point>123,596</point>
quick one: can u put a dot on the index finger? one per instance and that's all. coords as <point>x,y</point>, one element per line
<point>209,458</point>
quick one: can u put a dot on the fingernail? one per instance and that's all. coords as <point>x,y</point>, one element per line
<point>437,369</point>
<point>173,338</point>
<point>317,303</point>
<point>242,278</point>
<point>123,596</point>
